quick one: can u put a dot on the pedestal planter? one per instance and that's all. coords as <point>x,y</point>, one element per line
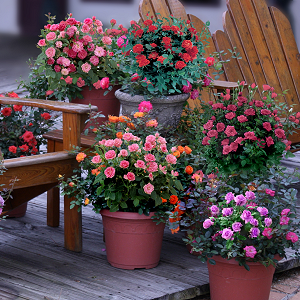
<point>229,281</point>
<point>166,110</point>
<point>18,212</point>
<point>132,240</point>
<point>107,105</point>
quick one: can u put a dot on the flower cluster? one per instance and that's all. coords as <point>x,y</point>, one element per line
<point>77,54</point>
<point>241,133</point>
<point>127,173</point>
<point>167,57</point>
<point>22,129</point>
<point>241,228</point>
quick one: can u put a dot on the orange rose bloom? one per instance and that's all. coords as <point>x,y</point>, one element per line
<point>131,125</point>
<point>173,199</point>
<point>163,200</point>
<point>180,149</point>
<point>176,153</point>
<point>175,230</point>
<point>138,114</point>
<point>71,184</point>
<point>119,135</point>
<point>86,201</point>
<point>113,119</point>
<point>124,119</point>
<point>187,150</point>
<point>80,156</point>
<point>95,172</point>
<point>94,130</point>
<point>189,170</point>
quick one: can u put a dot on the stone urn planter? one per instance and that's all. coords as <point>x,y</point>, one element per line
<point>167,110</point>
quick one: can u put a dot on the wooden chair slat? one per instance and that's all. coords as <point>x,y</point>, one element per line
<point>161,7</point>
<point>289,46</point>
<point>271,53</point>
<point>232,34</point>
<point>177,9</point>
<point>145,8</point>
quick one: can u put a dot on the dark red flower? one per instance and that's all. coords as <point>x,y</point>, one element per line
<point>46,116</point>
<point>6,111</point>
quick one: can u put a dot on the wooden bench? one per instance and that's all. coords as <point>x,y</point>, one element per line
<point>38,174</point>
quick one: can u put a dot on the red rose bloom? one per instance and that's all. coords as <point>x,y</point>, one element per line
<point>230,116</point>
<point>27,136</point>
<point>209,61</point>
<point>148,22</point>
<point>139,33</point>
<point>180,65</point>
<point>6,111</point>
<point>46,116</point>
<point>161,59</point>
<point>138,48</point>
<point>153,45</point>
<point>152,28</point>
<point>18,107</point>
<point>12,95</point>
<point>187,44</point>
<point>12,149</point>
<point>166,40</point>
<point>153,55</point>
<point>24,148</point>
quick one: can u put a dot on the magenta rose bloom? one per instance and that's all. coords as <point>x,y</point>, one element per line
<point>250,251</point>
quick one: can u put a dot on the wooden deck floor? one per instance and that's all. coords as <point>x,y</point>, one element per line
<point>34,265</point>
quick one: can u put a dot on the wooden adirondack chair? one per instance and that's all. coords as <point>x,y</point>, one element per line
<point>266,43</point>
<point>38,174</point>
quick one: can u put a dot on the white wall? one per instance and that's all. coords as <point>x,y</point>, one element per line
<point>8,17</point>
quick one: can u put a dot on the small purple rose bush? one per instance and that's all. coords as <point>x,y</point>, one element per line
<point>244,134</point>
<point>243,228</point>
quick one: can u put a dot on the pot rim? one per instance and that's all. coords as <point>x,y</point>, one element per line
<point>125,215</point>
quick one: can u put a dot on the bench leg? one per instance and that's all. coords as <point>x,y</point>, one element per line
<point>53,207</point>
<point>72,226</point>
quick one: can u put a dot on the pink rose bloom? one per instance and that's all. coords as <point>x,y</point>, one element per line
<point>80,82</point>
<point>265,112</point>
<point>250,251</point>
<point>266,87</point>
<point>209,61</point>
<point>242,119</point>
<point>270,192</point>
<point>194,94</point>
<point>109,172</point>
<point>269,141</point>
<point>121,41</point>
<point>109,143</point>
<point>220,127</point>
<point>128,136</point>
<point>233,147</point>
<point>130,176</point>
<point>69,80</point>
<point>163,148</point>
<point>246,216</point>
<point>207,223</point>
<point>267,233</point>
<point>205,141</point>
<point>94,60</point>
<point>250,135</point>
<point>273,95</point>
<point>124,164</point>
<point>291,236</point>
<point>87,39</point>
<point>111,154</point>
<point>51,36</point>
<point>259,103</point>
<point>171,159</point>
<point>145,106</point>
<point>133,147</point>
<point>118,142</point>
<point>268,222</point>
<point>280,133</point>
<point>239,140</point>
<point>230,131</point>
<point>123,153</point>
<point>99,51</point>
<point>58,44</point>
<point>284,220</point>
<point>41,42</point>
<point>148,146</point>
<point>86,67</point>
<point>249,112</point>
<point>161,140</point>
<point>104,82</point>
<point>106,40</point>
<point>267,126</point>
<point>212,133</point>
<point>263,211</point>
<point>227,234</point>
<point>207,80</point>
<point>50,52</point>
<point>163,169</point>
<point>96,159</point>
<point>152,166</point>
<point>148,188</point>
<point>64,71</point>
<point>152,139</point>
<point>149,157</point>
<point>225,142</point>
<point>50,61</point>
<point>88,21</point>
<point>57,68</point>
<point>174,173</point>
<point>187,88</point>
<point>285,212</point>
<point>82,54</point>
<point>232,107</point>
<point>71,31</point>
<point>140,164</point>
<point>66,62</point>
<point>208,125</point>
<point>230,116</point>
<point>97,85</point>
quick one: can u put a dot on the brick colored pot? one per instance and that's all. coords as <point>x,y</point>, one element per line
<point>229,281</point>
<point>132,240</point>
<point>18,212</point>
<point>107,105</point>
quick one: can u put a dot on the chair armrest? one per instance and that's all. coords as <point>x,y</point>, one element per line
<point>50,104</point>
<point>221,85</point>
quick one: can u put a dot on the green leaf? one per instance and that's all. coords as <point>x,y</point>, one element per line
<point>136,202</point>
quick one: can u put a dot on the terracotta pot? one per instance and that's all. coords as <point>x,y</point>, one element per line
<point>18,212</point>
<point>229,281</point>
<point>107,105</point>
<point>166,110</point>
<point>132,240</point>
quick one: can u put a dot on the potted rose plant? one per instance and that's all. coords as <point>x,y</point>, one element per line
<point>242,232</point>
<point>167,64</point>
<point>79,61</point>
<point>130,180</point>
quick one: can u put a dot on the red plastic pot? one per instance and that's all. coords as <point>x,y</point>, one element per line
<point>107,105</point>
<point>229,281</point>
<point>132,240</point>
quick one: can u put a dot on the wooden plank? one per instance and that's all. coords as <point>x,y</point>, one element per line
<point>177,9</point>
<point>51,105</point>
<point>235,41</point>
<point>289,46</point>
<point>271,53</point>
<point>53,202</point>
<point>146,10</point>
<point>161,7</point>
